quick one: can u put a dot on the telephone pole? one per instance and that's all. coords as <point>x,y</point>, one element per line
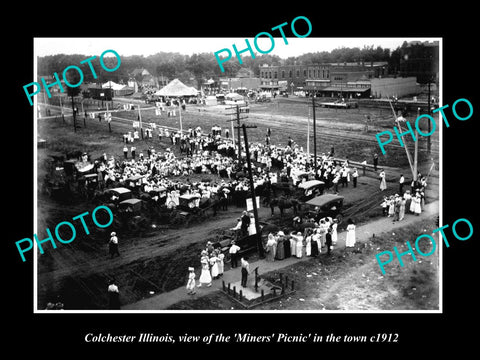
<point>314,133</point>
<point>238,110</point>
<point>258,234</point>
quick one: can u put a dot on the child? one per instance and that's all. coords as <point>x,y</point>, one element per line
<point>191,281</point>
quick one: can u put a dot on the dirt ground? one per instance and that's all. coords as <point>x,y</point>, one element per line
<point>351,280</point>
<point>78,273</point>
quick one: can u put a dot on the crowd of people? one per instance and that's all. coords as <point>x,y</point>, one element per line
<point>212,268</point>
<point>211,154</point>
<point>321,237</point>
<point>409,201</point>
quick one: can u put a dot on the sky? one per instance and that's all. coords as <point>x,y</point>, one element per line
<point>189,46</point>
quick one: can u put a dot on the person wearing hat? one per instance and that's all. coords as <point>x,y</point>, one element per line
<point>113,245</point>
<point>205,276</point>
<point>220,262</point>
<point>233,251</point>
<point>350,240</point>
<point>328,240</point>
<point>113,296</point>
<point>191,281</point>
<point>299,245</point>
<point>383,182</point>
<point>245,223</point>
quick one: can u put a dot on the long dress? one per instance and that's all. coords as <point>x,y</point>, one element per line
<point>334,233</point>
<point>350,241</point>
<point>220,263</point>
<point>214,266</point>
<point>418,205</point>
<point>402,209</point>
<point>191,282</point>
<point>270,250</point>
<point>383,182</point>
<point>308,246</point>
<point>314,245</point>
<point>286,247</point>
<point>205,276</point>
<point>293,246</point>
<point>408,200</point>
<point>299,246</point>
<point>412,204</point>
<point>280,253</point>
<point>323,233</point>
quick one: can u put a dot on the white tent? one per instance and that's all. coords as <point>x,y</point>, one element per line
<point>234,96</point>
<point>176,88</point>
<point>112,85</point>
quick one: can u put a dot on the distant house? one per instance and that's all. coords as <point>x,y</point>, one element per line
<point>245,73</point>
<point>143,77</point>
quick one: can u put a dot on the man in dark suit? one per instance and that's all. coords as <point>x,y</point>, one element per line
<point>245,223</point>
<point>328,240</point>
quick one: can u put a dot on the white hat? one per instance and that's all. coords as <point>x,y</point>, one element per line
<point>113,233</point>
<point>191,269</point>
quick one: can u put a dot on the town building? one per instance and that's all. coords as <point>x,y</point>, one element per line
<point>338,80</point>
<point>330,79</point>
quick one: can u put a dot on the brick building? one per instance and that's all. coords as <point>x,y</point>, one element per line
<point>332,79</point>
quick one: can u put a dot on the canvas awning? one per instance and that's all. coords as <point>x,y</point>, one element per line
<point>176,88</point>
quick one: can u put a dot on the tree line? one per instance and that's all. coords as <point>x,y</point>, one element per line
<point>196,68</point>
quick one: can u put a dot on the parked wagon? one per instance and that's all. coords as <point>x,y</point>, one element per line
<point>119,193</point>
<point>328,205</point>
<point>310,189</point>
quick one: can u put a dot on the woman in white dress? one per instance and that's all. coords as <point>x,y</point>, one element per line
<point>308,242</point>
<point>271,247</point>
<point>299,245</point>
<point>383,182</point>
<point>334,232</point>
<point>417,204</point>
<point>293,245</point>
<point>220,262</point>
<point>191,281</point>
<point>350,241</point>
<point>205,276</point>
<point>214,265</point>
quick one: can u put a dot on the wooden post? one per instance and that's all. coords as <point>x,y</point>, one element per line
<point>293,283</point>
<point>262,295</point>
<point>234,291</point>
<point>283,289</point>
<point>228,289</point>
<point>240,294</point>
<point>274,292</point>
<point>223,285</point>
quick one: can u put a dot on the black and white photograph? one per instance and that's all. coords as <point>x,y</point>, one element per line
<point>204,178</point>
<point>150,150</point>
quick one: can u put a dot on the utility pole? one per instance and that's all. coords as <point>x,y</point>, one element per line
<point>429,144</point>
<point>261,253</point>
<point>314,136</point>
<point>238,111</point>
<point>314,133</point>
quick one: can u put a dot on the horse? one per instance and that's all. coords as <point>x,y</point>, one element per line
<point>219,202</point>
<point>284,203</point>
